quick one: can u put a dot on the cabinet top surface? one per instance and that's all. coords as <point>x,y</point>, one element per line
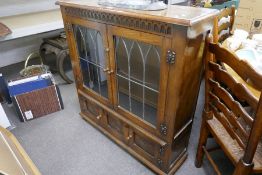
<point>175,14</point>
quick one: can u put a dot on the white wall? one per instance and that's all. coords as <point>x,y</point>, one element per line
<point>26,18</point>
<point>18,7</point>
<point>14,51</point>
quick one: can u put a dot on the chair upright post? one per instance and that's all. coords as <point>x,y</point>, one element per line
<point>245,165</point>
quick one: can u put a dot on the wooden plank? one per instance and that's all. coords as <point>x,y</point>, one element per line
<point>226,12</point>
<point>230,102</point>
<point>241,67</point>
<point>228,114</point>
<point>18,150</point>
<point>223,37</point>
<point>180,15</point>
<point>211,161</point>
<point>224,26</point>
<point>239,90</point>
<point>227,125</point>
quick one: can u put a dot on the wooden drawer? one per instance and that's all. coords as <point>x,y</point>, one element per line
<point>90,109</point>
<point>132,137</point>
<point>139,140</point>
<point>116,127</point>
<point>151,147</point>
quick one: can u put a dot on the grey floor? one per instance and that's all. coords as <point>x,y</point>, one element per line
<point>63,143</point>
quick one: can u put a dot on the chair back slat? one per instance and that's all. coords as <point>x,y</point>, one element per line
<point>233,109</point>
<point>223,37</point>
<point>226,125</point>
<point>240,91</point>
<point>223,30</point>
<point>230,102</point>
<point>229,116</point>
<point>224,26</point>
<point>242,68</point>
<point>226,12</point>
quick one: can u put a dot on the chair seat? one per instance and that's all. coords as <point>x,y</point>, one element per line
<point>231,147</point>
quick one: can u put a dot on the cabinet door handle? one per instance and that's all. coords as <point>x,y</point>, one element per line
<point>106,70</point>
<point>110,72</point>
<point>107,49</point>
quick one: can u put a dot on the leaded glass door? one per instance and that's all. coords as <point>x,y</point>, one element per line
<point>140,74</point>
<point>92,48</point>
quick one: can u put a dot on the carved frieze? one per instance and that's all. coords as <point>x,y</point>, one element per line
<point>126,21</point>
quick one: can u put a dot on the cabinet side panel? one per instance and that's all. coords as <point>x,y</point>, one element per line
<point>192,72</point>
<point>183,88</point>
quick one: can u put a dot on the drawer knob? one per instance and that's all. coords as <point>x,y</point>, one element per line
<point>110,72</point>
<point>106,69</point>
<point>107,49</point>
<point>129,136</point>
<point>99,117</point>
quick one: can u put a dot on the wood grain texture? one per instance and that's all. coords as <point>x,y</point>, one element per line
<point>180,15</point>
<point>241,91</point>
<point>162,146</point>
<point>25,161</point>
<point>221,31</point>
<point>241,67</point>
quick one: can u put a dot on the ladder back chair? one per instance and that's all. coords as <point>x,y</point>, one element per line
<point>222,31</point>
<point>232,113</point>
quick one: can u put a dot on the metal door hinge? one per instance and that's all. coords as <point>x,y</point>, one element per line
<point>68,27</point>
<point>162,149</point>
<point>163,129</point>
<point>159,162</point>
<point>171,57</point>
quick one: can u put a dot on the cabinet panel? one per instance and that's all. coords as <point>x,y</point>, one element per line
<point>90,109</point>
<point>116,127</point>
<point>92,52</point>
<point>147,145</point>
<point>138,64</point>
<point>141,141</point>
<point>133,136</point>
<point>139,75</point>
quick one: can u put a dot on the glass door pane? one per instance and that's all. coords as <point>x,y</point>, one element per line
<point>92,59</point>
<point>137,74</point>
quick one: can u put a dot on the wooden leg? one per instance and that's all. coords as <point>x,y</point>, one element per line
<point>242,168</point>
<point>202,142</point>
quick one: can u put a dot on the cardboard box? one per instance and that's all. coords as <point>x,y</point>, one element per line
<point>249,16</point>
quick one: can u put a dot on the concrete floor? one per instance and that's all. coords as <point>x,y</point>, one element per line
<point>63,143</point>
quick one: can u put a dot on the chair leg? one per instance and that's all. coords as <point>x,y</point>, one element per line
<point>243,168</point>
<point>202,142</point>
